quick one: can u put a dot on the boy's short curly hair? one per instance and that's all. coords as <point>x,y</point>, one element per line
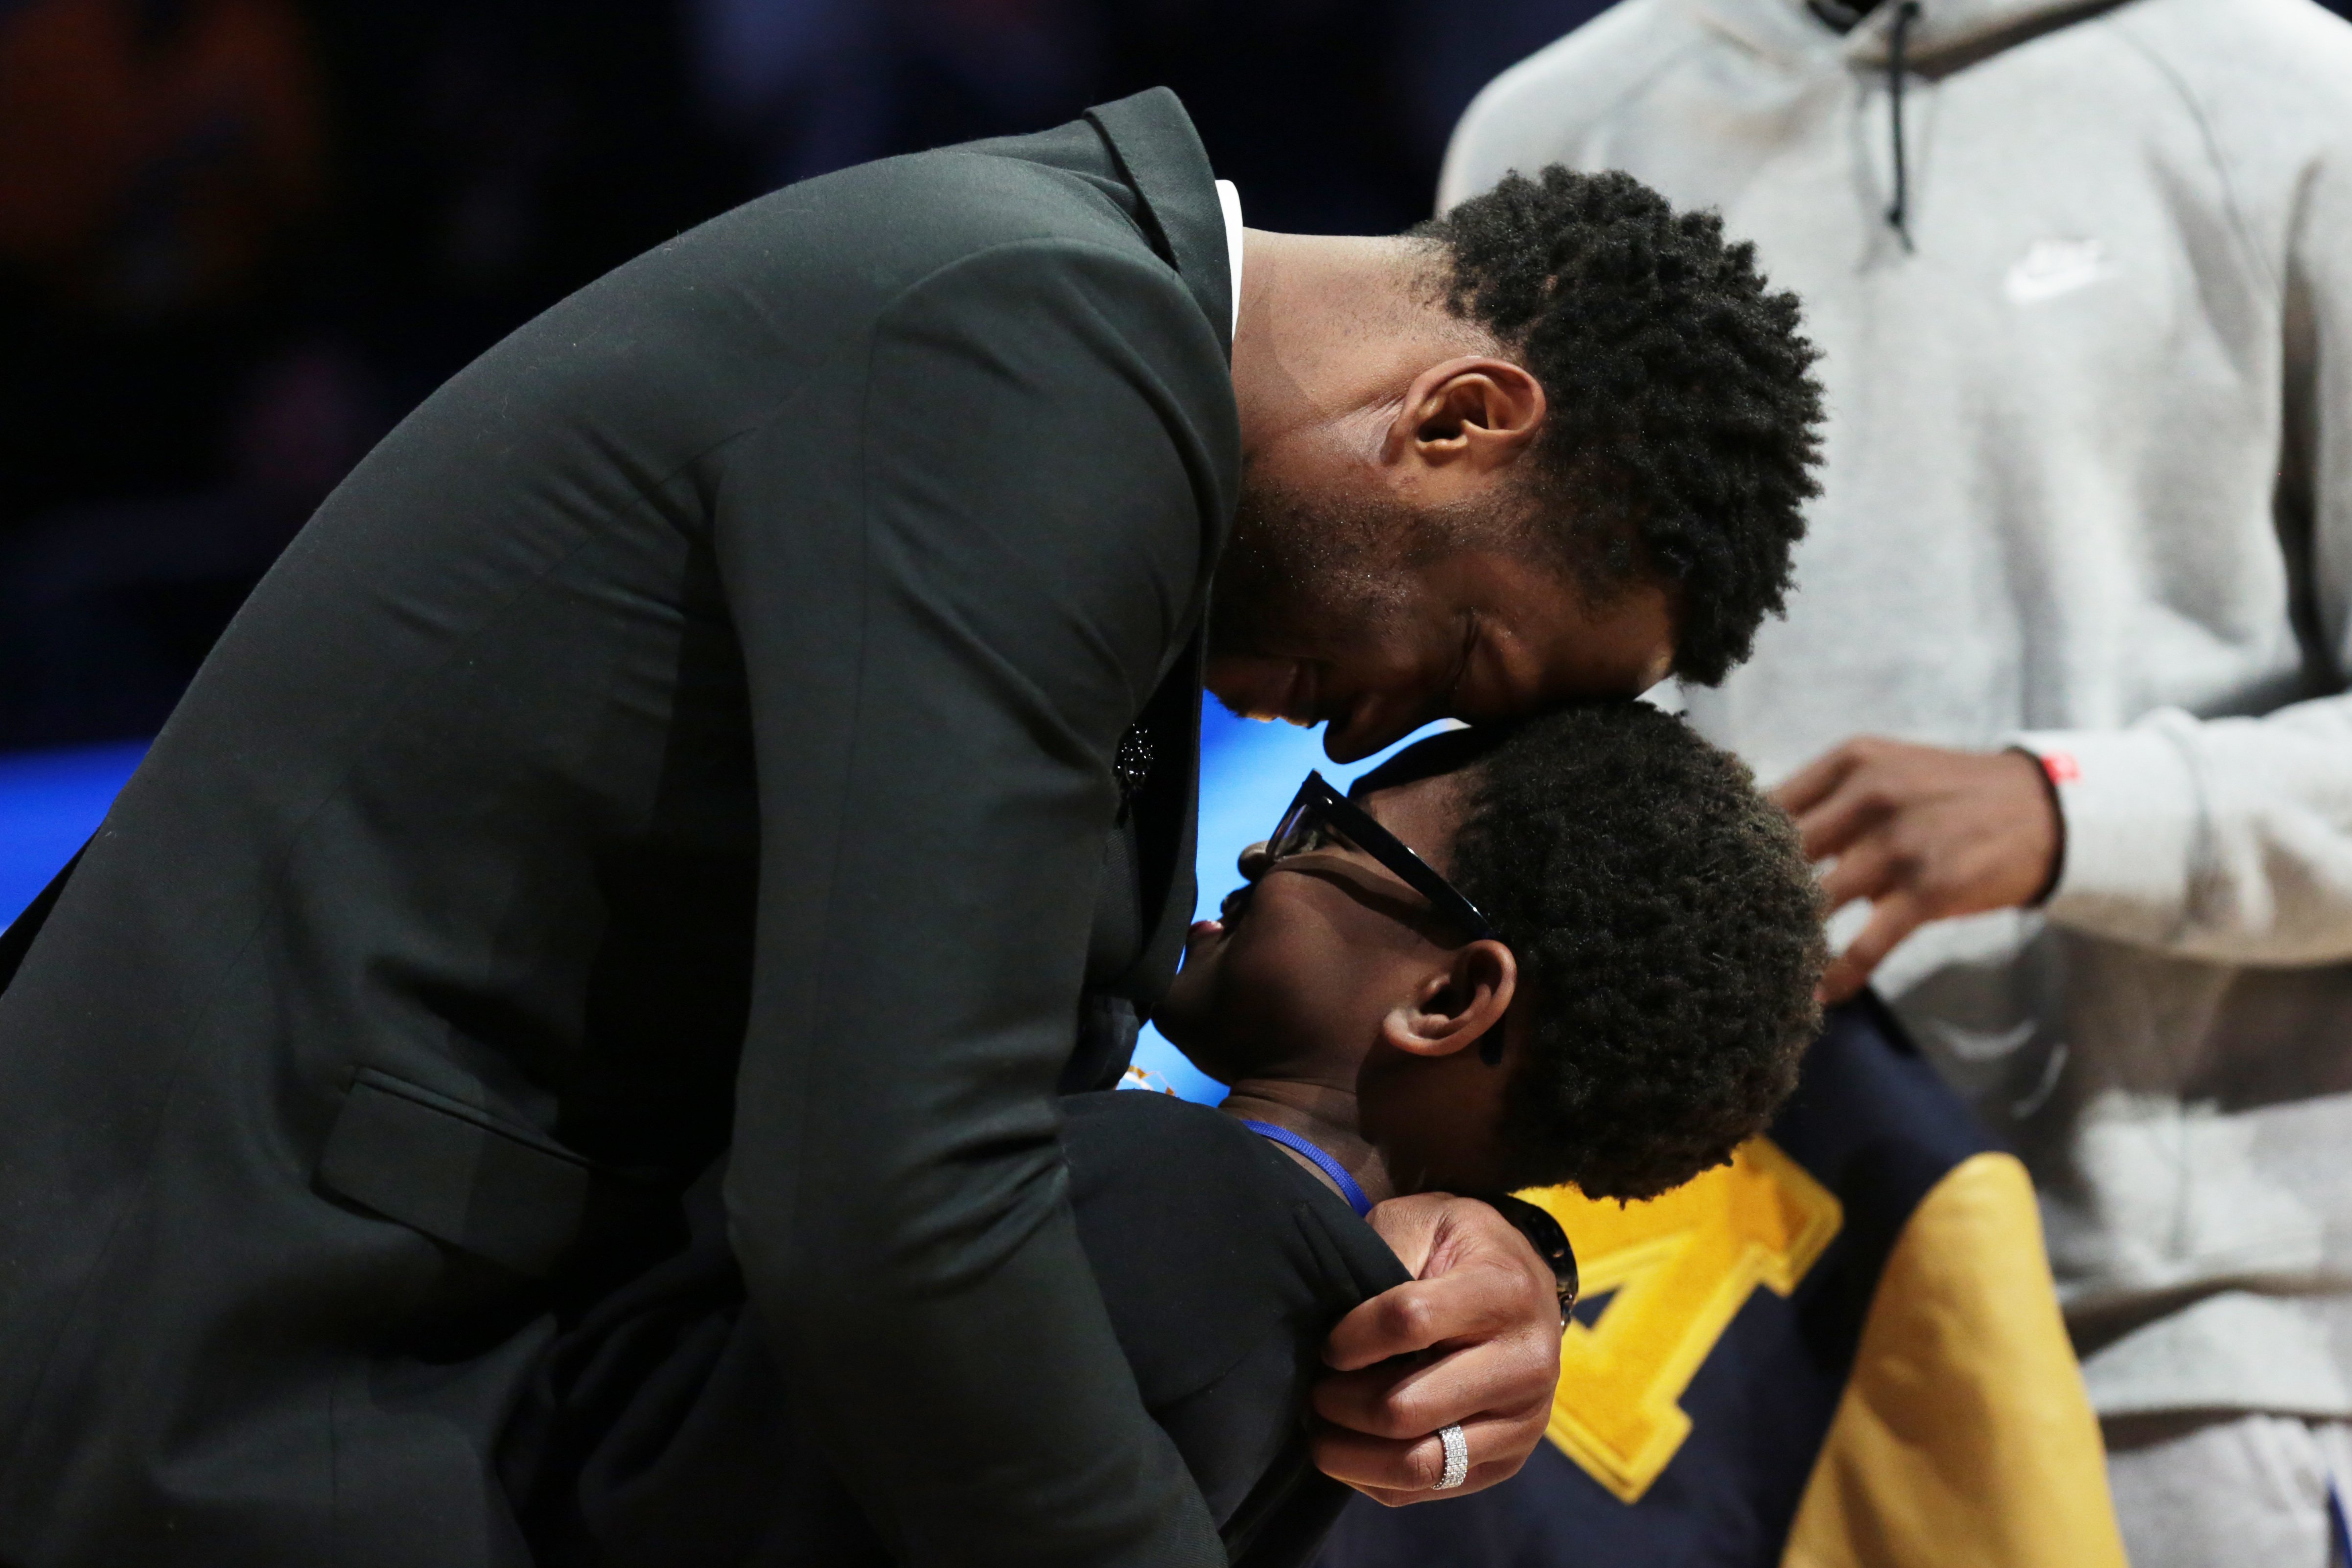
<point>1668,932</point>
<point>1682,417</point>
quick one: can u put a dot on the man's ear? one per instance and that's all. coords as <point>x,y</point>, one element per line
<point>1477,410</point>
<point>1454,1007</point>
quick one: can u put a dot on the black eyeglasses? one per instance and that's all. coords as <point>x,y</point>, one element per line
<point>1318,808</point>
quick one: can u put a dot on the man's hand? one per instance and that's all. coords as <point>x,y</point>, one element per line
<point>1480,1327</point>
<point>1923,834</point>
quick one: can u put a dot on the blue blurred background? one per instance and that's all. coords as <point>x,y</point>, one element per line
<point>50,802</point>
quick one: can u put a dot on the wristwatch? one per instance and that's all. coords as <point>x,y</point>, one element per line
<point>1544,1234</point>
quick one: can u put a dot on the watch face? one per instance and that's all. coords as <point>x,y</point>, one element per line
<point>1544,1234</point>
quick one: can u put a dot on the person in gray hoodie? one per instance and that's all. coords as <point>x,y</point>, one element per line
<point>2062,694</point>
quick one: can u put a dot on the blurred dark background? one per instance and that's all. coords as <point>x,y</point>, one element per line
<point>240,239</point>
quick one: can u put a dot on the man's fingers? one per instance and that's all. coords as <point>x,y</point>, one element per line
<point>1833,824</point>
<point>1812,784</point>
<point>1467,1303</point>
<point>1397,1471</point>
<point>1924,833</point>
<point>1891,919</point>
<point>1473,1344</point>
<point>1413,1227</point>
<point>1512,1375</point>
<point>1866,870</point>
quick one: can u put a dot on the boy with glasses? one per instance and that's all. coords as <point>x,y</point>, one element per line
<point>1582,950</point>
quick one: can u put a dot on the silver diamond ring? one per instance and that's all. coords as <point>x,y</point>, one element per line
<point>1457,1457</point>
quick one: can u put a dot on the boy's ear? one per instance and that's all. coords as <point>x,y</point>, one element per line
<point>1453,1008</point>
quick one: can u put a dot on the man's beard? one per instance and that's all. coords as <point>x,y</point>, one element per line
<point>1303,574</point>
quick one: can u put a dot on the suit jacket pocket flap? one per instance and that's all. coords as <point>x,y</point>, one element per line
<point>449,1170</point>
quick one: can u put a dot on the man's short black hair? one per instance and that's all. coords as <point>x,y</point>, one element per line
<point>1682,417</point>
<point>1667,929</point>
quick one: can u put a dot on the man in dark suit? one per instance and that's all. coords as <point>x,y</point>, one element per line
<point>756,703</point>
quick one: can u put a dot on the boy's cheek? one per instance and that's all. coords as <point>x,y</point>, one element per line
<point>1179,1010</point>
<point>1201,995</point>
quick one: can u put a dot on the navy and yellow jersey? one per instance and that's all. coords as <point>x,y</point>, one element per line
<point>1841,1349</point>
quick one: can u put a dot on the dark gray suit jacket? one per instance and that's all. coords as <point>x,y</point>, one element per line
<point>697,722</point>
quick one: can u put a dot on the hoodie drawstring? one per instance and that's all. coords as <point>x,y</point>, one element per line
<point>1897,212</point>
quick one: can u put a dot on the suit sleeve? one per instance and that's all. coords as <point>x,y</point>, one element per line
<point>958,571</point>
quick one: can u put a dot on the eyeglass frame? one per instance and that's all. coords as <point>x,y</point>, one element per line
<point>1318,802</point>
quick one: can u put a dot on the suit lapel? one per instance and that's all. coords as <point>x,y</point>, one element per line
<point>1161,155</point>
<point>1167,827</point>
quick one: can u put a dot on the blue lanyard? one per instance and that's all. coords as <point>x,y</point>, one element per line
<point>1323,1162</point>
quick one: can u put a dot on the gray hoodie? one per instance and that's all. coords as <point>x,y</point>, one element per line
<point>2089,488</point>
